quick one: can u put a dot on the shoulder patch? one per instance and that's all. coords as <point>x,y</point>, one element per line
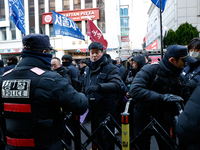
<point>37,70</point>
<point>7,72</point>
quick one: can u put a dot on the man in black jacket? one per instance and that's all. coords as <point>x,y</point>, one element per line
<point>102,82</point>
<point>156,88</point>
<point>12,61</point>
<point>32,96</point>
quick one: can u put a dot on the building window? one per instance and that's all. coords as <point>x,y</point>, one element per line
<point>2,11</point>
<point>88,4</point>
<point>66,4</point>
<point>123,11</point>
<point>77,4</point>
<point>78,23</point>
<point>51,31</point>
<point>41,10</point>
<point>31,17</point>
<point>124,22</point>
<point>13,31</point>
<point>3,33</point>
<point>101,21</point>
<point>51,5</point>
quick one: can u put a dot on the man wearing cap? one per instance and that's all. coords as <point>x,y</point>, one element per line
<point>102,82</point>
<point>32,96</point>
<point>156,88</point>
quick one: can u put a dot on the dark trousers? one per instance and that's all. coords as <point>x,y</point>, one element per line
<point>104,138</point>
<point>140,122</point>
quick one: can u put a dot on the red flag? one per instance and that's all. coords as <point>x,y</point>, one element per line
<point>95,34</point>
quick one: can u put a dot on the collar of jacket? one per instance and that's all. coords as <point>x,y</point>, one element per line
<point>32,62</point>
<point>104,62</point>
<point>165,69</point>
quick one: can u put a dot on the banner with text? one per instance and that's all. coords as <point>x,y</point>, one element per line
<point>16,11</point>
<point>95,34</point>
<point>66,26</point>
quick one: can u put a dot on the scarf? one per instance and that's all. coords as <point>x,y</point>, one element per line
<point>95,64</point>
<point>44,57</point>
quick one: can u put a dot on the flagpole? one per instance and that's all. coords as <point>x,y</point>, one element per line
<point>161,41</point>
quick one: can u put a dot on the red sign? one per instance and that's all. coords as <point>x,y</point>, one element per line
<point>95,34</point>
<point>154,59</point>
<point>75,15</point>
<point>125,38</point>
<point>154,45</point>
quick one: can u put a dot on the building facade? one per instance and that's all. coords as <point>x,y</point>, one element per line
<point>38,20</point>
<point>176,13</point>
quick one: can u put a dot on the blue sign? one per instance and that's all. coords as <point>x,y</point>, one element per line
<point>16,11</point>
<point>156,2</point>
<point>66,26</point>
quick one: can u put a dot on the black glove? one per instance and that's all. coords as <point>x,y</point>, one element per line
<point>92,88</point>
<point>172,98</point>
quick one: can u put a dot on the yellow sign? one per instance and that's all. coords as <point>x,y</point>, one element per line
<point>125,137</point>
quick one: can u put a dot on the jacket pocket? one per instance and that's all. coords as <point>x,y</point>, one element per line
<point>101,78</point>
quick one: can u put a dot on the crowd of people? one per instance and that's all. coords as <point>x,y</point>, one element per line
<point>39,90</point>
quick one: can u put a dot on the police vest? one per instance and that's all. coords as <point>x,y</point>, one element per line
<point>17,92</point>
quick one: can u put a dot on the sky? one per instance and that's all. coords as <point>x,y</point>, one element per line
<point>138,22</point>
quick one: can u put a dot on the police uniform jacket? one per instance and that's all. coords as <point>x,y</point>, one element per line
<point>191,75</point>
<point>148,86</point>
<point>106,75</point>
<point>31,98</point>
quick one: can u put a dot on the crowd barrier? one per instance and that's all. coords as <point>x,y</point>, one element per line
<point>127,141</point>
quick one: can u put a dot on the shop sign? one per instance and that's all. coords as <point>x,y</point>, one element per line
<point>16,50</point>
<point>125,38</point>
<point>75,15</point>
<point>154,45</point>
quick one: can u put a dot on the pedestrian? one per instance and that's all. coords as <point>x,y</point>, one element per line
<point>63,71</point>
<point>191,73</point>
<point>32,96</point>
<point>138,62</point>
<point>67,62</point>
<point>121,67</point>
<point>130,72</point>
<point>81,72</point>
<point>12,62</point>
<point>102,82</point>
<point>155,88</point>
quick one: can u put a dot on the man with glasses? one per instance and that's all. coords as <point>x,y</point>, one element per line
<point>102,82</point>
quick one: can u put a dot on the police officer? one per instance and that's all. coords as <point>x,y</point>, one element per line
<point>102,82</point>
<point>155,88</point>
<point>31,97</point>
<point>191,73</point>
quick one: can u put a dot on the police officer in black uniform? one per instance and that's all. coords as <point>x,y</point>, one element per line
<point>31,97</point>
<point>156,88</point>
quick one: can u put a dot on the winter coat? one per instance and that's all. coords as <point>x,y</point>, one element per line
<point>106,75</point>
<point>148,87</point>
<point>41,122</point>
<point>9,67</point>
<point>191,75</point>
